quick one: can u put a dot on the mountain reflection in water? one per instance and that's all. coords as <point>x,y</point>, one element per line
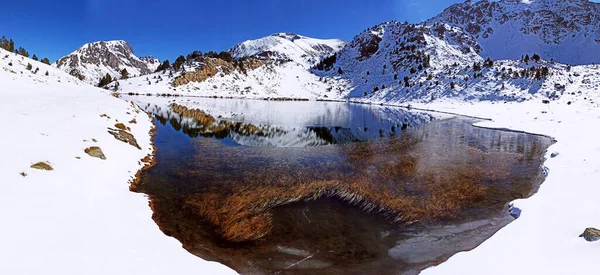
<point>336,197</point>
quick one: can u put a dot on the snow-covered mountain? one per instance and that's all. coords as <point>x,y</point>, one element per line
<point>94,60</point>
<point>397,56</point>
<point>275,66</point>
<point>288,46</point>
<point>566,31</point>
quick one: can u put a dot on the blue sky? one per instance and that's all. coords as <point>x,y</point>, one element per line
<point>168,28</point>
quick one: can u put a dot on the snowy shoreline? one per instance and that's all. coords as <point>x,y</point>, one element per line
<point>80,217</point>
<point>544,239</point>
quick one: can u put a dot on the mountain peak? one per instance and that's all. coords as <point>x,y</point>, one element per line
<point>288,46</point>
<point>288,35</point>
<point>93,61</point>
<point>508,29</point>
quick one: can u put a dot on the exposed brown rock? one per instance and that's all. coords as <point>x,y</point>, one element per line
<point>124,136</point>
<point>42,166</point>
<point>211,66</point>
<point>120,126</point>
<point>95,152</point>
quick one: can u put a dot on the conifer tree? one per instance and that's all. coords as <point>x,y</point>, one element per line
<point>35,57</point>
<point>22,52</point>
<point>124,74</point>
<point>105,80</point>
<point>46,61</point>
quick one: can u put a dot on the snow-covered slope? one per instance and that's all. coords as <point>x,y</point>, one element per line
<point>401,58</point>
<point>566,31</point>
<point>94,60</point>
<point>288,46</point>
<point>80,217</point>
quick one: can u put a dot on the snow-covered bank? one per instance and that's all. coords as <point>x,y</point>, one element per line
<point>79,218</point>
<point>544,240</point>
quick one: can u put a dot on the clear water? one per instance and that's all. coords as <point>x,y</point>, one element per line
<point>331,188</point>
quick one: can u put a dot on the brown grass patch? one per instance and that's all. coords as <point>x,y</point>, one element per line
<point>42,166</point>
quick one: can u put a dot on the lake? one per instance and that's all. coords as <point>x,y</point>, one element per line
<point>299,187</point>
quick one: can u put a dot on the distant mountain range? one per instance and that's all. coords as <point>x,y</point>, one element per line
<point>485,50</point>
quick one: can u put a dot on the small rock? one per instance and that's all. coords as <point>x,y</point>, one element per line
<point>23,174</point>
<point>553,155</point>
<point>133,121</point>
<point>42,166</point>
<point>124,136</point>
<point>545,101</point>
<point>569,103</point>
<point>591,234</point>
<point>120,126</point>
<point>95,151</point>
<point>94,140</point>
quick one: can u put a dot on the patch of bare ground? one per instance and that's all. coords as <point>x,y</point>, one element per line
<point>42,166</point>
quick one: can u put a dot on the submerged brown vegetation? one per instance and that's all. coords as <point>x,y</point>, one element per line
<point>396,178</point>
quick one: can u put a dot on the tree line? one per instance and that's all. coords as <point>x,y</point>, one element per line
<point>9,45</point>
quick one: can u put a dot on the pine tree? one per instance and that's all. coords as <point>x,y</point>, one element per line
<point>124,74</point>
<point>340,71</point>
<point>35,57</point>
<point>46,74</point>
<point>46,61</point>
<point>105,80</point>
<point>526,59</point>
<point>11,46</point>
<point>162,67</point>
<point>22,52</point>
<point>4,43</point>
<point>178,62</point>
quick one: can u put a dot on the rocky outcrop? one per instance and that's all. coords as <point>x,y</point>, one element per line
<point>210,67</point>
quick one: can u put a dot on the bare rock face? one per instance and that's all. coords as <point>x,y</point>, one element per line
<point>94,60</point>
<point>95,152</point>
<point>210,67</point>
<point>591,234</point>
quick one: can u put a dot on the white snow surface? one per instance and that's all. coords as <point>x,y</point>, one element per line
<point>81,217</point>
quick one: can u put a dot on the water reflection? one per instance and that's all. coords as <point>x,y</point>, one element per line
<point>369,206</point>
